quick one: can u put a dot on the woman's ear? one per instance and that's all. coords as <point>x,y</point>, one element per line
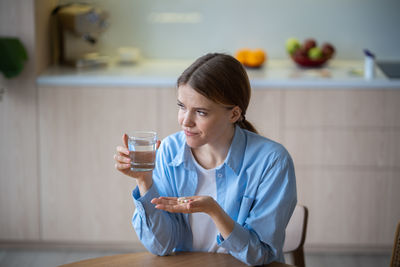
<point>236,113</point>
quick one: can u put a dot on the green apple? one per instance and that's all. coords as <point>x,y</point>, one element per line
<point>292,44</point>
<point>315,53</point>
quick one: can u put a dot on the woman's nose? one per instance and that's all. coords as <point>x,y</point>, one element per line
<point>188,120</point>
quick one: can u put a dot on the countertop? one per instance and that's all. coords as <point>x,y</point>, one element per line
<point>274,74</point>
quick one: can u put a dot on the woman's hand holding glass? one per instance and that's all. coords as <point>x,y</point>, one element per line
<point>123,160</point>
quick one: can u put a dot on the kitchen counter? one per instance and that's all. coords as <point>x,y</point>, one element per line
<point>274,74</point>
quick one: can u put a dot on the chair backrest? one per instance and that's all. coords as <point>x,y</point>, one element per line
<point>296,229</point>
<point>395,260</point>
<point>296,235</point>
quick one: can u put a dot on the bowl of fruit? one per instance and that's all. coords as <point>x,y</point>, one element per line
<point>308,54</point>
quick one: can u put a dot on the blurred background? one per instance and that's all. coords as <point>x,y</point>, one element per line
<point>178,29</point>
<point>61,118</point>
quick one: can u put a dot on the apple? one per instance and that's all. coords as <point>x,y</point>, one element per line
<point>309,43</point>
<point>328,50</point>
<point>292,44</point>
<point>315,53</point>
<point>300,54</point>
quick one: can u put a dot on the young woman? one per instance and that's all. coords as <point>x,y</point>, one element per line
<point>217,186</point>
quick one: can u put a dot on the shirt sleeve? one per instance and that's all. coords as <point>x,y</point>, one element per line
<point>159,231</point>
<point>259,240</point>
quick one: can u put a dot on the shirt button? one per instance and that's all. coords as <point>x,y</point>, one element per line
<point>219,175</point>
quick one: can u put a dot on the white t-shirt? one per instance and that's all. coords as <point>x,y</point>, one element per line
<point>203,228</point>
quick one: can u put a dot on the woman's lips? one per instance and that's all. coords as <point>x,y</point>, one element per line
<point>188,133</point>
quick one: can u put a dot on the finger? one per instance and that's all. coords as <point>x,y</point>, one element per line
<point>164,207</point>
<point>122,166</point>
<point>174,208</point>
<point>158,144</point>
<point>169,198</point>
<point>122,159</point>
<point>123,150</point>
<point>125,140</point>
<point>164,201</point>
<point>177,198</point>
<point>174,200</point>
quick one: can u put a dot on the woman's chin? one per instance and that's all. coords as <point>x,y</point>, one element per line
<point>193,143</point>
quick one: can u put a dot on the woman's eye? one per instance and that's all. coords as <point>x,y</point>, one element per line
<point>180,106</point>
<point>202,113</point>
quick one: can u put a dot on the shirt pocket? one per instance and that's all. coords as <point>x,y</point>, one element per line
<point>244,210</point>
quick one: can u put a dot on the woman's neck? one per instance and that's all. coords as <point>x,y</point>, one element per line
<point>210,156</point>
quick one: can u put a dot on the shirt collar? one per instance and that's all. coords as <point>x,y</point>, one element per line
<point>233,159</point>
<point>183,155</point>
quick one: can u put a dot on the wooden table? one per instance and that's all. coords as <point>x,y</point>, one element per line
<point>181,259</point>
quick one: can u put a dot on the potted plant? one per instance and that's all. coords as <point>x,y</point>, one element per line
<point>12,56</point>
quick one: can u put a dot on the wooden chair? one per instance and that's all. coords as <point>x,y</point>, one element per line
<point>395,260</point>
<point>296,235</point>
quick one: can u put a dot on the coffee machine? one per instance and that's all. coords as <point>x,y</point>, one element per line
<point>76,29</point>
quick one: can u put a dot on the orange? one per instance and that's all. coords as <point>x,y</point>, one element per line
<point>251,58</point>
<point>241,55</point>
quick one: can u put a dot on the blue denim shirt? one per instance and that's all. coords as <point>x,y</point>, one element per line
<point>256,187</point>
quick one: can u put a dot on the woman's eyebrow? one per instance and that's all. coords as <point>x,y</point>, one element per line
<point>195,108</point>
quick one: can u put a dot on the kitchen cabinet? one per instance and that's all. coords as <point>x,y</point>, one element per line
<point>265,113</point>
<point>19,198</point>
<point>345,145</point>
<point>346,148</point>
<point>83,197</point>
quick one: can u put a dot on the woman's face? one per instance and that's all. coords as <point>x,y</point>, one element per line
<point>204,121</point>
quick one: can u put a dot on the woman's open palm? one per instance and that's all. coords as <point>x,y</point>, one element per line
<point>191,204</point>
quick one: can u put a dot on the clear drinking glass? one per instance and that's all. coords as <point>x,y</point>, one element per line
<point>142,150</point>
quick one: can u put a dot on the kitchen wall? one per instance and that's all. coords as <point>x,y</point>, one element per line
<point>19,197</point>
<point>188,28</point>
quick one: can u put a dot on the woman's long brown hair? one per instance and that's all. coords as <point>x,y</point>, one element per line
<point>222,79</point>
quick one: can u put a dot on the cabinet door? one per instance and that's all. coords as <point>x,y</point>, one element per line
<point>19,196</point>
<point>83,197</point>
<point>264,112</point>
<point>346,149</point>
